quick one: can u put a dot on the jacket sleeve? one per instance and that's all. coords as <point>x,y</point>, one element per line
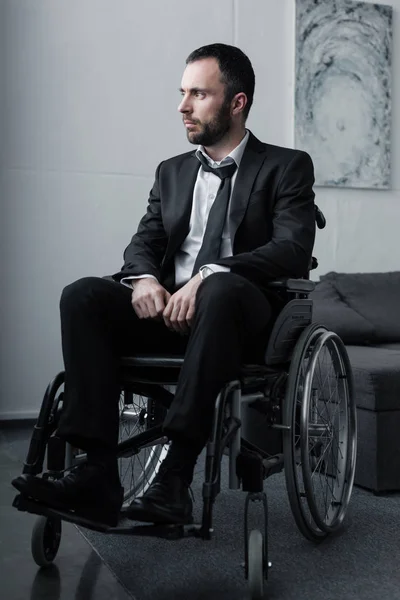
<point>289,252</point>
<point>148,245</point>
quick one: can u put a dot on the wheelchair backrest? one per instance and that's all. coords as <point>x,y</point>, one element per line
<point>295,316</point>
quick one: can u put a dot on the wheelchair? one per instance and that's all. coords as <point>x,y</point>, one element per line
<point>304,395</point>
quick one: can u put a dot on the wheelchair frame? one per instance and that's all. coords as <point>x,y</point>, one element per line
<point>249,465</point>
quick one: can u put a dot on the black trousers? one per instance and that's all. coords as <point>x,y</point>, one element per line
<point>99,325</point>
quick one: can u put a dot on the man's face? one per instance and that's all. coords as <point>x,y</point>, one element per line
<point>206,114</point>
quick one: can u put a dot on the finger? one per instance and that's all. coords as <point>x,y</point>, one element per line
<point>190,315</point>
<point>181,319</point>
<point>144,309</point>
<point>147,306</point>
<point>159,304</point>
<point>167,314</point>
<point>137,307</point>
<point>151,308</point>
<point>167,322</point>
<point>169,307</point>
<point>174,317</point>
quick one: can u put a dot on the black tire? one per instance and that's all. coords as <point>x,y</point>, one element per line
<point>256,565</point>
<point>46,537</point>
<point>301,455</point>
<point>333,412</point>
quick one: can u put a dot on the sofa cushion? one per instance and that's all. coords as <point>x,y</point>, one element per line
<point>375,297</point>
<point>376,373</point>
<point>330,310</point>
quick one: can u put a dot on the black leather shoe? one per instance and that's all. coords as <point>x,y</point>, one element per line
<point>86,490</point>
<point>167,500</point>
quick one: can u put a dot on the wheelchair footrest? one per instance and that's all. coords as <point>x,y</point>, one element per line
<point>125,526</point>
<point>273,464</point>
<point>37,508</point>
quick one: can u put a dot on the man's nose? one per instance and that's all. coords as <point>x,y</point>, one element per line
<point>184,106</point>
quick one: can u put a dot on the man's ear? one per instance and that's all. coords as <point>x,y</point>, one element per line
<point>239,102</point>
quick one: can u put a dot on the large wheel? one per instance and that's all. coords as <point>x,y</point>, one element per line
<point>138,413</point>
<point>320,447</point>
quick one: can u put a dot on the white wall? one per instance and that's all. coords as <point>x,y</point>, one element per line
<point>90,110</point>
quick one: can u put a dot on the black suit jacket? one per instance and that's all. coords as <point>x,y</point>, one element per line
<point>271,217</point>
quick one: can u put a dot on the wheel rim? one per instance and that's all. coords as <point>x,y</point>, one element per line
<point>291,440</point>
<point>137,472</point>
<point>327,433</point>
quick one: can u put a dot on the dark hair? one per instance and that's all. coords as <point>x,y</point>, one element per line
<point>236,69</point>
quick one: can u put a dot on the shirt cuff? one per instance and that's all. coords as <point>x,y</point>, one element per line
<point>126,280</point>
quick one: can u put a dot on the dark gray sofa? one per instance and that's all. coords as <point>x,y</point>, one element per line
<point>364,309</point>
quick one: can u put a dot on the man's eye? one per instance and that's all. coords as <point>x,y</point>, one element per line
<point>199,94</point>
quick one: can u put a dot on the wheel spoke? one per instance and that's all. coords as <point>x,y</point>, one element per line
<point>138,470</point>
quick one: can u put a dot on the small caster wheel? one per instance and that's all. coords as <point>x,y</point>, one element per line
<point>256,561</point>
<point>46,537</point>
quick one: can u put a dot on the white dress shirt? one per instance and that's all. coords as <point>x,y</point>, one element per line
<point>204,193</point>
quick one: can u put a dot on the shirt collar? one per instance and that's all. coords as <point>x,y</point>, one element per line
<point>235,155</point>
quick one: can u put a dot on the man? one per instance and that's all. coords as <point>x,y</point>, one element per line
<point>221,223</point>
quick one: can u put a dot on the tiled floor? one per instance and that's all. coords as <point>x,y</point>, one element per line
<point>78,573</point>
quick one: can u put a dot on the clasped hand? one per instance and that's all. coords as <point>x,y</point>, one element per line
<point>150,300</point>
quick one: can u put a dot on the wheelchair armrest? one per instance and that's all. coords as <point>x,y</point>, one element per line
<point>302,286</point>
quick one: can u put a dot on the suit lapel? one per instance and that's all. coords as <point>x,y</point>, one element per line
<point>180,218</point>
<point>252,159</point>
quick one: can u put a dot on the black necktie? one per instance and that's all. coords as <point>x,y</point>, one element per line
<point>211,245</point>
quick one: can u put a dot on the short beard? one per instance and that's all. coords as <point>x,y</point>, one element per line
<point>215,130</point>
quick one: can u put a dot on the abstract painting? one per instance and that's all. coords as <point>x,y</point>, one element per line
<point>343,90</point>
